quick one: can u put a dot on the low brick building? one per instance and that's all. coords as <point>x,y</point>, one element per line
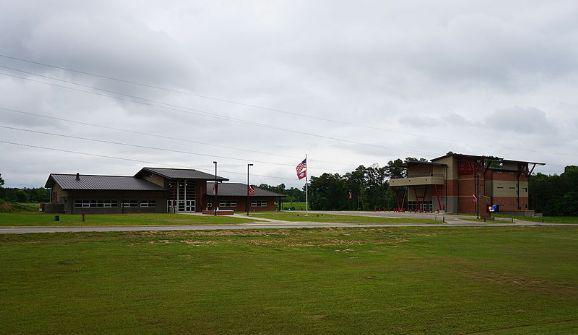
<point>458,183</point>
<point>233,196</point>
<point>151,190</point>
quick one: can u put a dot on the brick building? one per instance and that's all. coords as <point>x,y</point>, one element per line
<point>151,190</point>
<point>457,183</point>
<point>233,196</point>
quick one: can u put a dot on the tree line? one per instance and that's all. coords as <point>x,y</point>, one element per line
<point>555,195</point>
<point>13,194</point>
<point>365,188</point>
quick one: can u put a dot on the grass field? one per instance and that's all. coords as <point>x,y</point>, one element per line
<point>340,281</point>
<point>549,219</point>
<point>39,219</point>
<point>316,217</point>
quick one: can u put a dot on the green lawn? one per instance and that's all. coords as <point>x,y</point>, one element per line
<point>315,217</point>
<point>549,219</point>
<point>431,280</point>
<point>39,219</point>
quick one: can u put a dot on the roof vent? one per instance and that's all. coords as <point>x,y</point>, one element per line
<point>78,177</point>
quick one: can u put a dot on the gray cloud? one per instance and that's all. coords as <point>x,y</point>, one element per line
<point>521,120</point>
<point>411,78</point>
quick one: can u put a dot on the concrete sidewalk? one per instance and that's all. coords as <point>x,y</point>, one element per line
<point>261,225</point>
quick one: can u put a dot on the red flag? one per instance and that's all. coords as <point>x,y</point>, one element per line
<point>251,190</point>
<point>302,169</point>
<point>474,198</point>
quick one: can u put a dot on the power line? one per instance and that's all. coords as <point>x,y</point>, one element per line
<point>180,139</point>
<point>219,99</point>
<point>145,101</point>
<point>120,158</point>
<point>224,100</point>
<point>140,146</point>
<point>188,110</point>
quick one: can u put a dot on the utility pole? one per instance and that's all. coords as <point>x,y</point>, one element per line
<point>248,187</point>
<point>216,205</point>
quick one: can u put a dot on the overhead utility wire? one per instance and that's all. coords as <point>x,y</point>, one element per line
<point>168,106</point>
<point>212,98</point>
<point>219,99</point>
<point>180,139</point>
<point>139,146</point>
<point>120,158</point>
<point>229,101</point>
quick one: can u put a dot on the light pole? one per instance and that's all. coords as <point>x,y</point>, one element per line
<point>248,187</point>
<point>216,204</point>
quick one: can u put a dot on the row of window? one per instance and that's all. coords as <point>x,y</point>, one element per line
<point>232,204</point>
<point>113,204</point>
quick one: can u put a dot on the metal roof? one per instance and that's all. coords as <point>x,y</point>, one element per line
<point>423,163</point>
<point>239,190</point>
<point>99,182</point>
<point>178,173</point>
<point>478,156</point>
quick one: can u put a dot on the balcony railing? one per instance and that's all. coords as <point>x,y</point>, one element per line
<point>415,181</point>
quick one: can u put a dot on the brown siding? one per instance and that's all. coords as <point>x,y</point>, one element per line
<point>241,203</point>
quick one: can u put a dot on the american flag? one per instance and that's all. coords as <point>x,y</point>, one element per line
<point>302,169</point>
<point>251,190</point>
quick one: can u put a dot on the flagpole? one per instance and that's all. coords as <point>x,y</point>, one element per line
<point>306,179</point>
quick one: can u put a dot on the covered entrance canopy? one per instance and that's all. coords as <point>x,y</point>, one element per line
<point>186,187</point>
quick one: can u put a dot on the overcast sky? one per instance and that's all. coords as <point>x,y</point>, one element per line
<point>346,82</point>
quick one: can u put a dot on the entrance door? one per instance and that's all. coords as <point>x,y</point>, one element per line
<point>181,206</point>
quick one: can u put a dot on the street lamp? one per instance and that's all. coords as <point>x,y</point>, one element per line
<point>248,187</point>
<point>216,204</point>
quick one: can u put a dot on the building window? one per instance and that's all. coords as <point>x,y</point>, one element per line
<point>95,204</point>
<point>146,204</point>
<point>130,203</point>
<point>228,204</point>
<point>259,204</point>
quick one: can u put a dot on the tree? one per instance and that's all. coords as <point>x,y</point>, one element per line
<point>328,192</point>
<point>396,169</point>
<point>1,181</point>
<point>555,194</point>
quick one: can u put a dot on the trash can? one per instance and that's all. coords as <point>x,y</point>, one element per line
<point>56,218</point>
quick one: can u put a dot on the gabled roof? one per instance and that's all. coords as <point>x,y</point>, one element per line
<point>99,182</point>
<point>178,173</point>
<point>239,190</point>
